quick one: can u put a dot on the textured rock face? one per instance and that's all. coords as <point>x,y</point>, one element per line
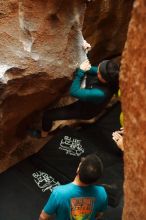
<point>105,27</point>
<point>40,46</point>
<point>133,86</point>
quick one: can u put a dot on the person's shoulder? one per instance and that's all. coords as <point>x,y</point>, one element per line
<point>100,189</point>
<point>62,191</point>
<point>102,197</point>
<point>62,188</point>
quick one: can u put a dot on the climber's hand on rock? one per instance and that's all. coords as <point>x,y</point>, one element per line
<point>86,46</point>
<point>85,66</point>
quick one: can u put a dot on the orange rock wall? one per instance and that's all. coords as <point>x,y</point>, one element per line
<point>133,89</point>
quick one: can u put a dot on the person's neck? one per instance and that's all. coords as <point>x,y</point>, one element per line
<point>78,182</point>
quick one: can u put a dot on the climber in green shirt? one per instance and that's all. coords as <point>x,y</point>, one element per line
<point>101,83</point>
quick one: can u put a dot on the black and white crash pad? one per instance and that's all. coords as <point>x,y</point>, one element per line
<point>25,188</point>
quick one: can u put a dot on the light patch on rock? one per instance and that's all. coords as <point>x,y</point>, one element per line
<point>82,54</point>
<point>26,36</point>
<point>27,44</point>
<point>35,56</point>
<point>3,69</point>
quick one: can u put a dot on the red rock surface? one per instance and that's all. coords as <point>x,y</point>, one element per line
<point>133,90</point>
<point>105,27</point>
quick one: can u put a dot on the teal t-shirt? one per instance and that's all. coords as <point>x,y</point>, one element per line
<point>72,202</point>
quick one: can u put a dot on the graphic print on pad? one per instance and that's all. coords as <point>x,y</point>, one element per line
<point>71,146</point>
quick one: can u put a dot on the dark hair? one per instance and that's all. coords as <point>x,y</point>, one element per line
<point>110,73</point>
<point>90,169</point>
